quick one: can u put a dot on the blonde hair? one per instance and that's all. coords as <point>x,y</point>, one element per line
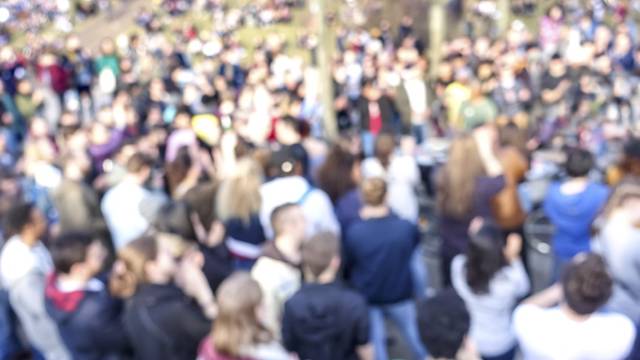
<point>237,325</point>
<point>374,191</point>
<point>457,179</point>
<point>239,194</point>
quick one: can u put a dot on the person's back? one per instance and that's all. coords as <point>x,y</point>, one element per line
<point>376,255</point>
<point>401,174</point>
<point>324,320</point>
<point>573,205</point>
<point>121,204</point>
<point>277,269</point>
<point>491,279</point>
<point>575,330</point>
<point>377,252</point>
<point>291,187</point>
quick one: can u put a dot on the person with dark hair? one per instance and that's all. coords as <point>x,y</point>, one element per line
<point>572,206</point>
<point>444,323</point>
<point>288,135</point>
<point>574,329</point>
<point>491,279</point>
<point>278,267</point>
<point>376,252</point>
<point>78,300</point>
<point>169,307</point>
<point>179,218</point>
<point>339,177</point>
<point>324,320</point>
<point>121,205</point>
<point>24,265</point>
<point>289,186</point>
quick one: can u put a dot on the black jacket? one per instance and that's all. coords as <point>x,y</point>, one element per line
<point>163,323</point>
<point>89,321</point>
<point>388,112</point>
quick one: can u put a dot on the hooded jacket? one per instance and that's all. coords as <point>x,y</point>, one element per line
<point>89,320</point>
<point>325,322</point>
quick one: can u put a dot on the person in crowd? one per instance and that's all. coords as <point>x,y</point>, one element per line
<point>78,300</point>
<point>572,206</point>
<point>324,319</point>
<point>467,183</point>
<point>401,174</point>
<point>444,324</point>
<point>238,206</point>
<point>121,205</point>
<point>376,252</point>
<point>289,186</point>
<point>563,321</point>
<point>507,209</point>
<point>629,166</point>
<point>377,114</point>
<point>491,279</point>
<point>239,332</point>
<point>339,177</point>
<point>24,264</point>
<point>618,242</point>
<point>209,232</point>
<point>277,269</point>
<point>76,202</point>
<point>162,319</point>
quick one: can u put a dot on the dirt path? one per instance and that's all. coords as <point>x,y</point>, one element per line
<point>93,30</point>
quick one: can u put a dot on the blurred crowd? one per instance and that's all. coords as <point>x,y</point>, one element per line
<point>174,193</point>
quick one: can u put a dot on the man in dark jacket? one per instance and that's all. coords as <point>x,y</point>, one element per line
<point>377,253</point>
<point>325,320</point>
<point>88,318</point>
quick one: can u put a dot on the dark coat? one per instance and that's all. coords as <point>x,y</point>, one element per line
<point>163,323</point>
<point>388,112</point>
<point>89,321</point>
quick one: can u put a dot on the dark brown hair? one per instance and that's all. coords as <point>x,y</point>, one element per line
<point>587,284</point>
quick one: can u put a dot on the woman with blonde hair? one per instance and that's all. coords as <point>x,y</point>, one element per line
<point>238,333</point>
<point>238,207</point>
<point>466,185</point>
<point>169,304</point>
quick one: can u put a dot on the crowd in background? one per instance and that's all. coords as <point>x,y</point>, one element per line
<point>177,197</point>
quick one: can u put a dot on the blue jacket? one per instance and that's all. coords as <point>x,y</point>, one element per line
<point>377,256</point>
<point>572,216</point>
<point>89,321</point>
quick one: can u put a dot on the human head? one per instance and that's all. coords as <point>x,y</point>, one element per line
<point>384,146</point>
<point>146,260</point>
<point>579,162</point>
<point>485,257</point>
<point>374,191</point>
<point>443,322</point>
<point>339,174</point>
<point>456,181</point>
<point>284,163</point>
<point>288,220</point>
<point>237,324</point>
<point>321,255</point>
<point>587,284</point>
<point>78,254</point>
<point>287,130</point>
<point>139,165</point>
<point>26,220</point>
